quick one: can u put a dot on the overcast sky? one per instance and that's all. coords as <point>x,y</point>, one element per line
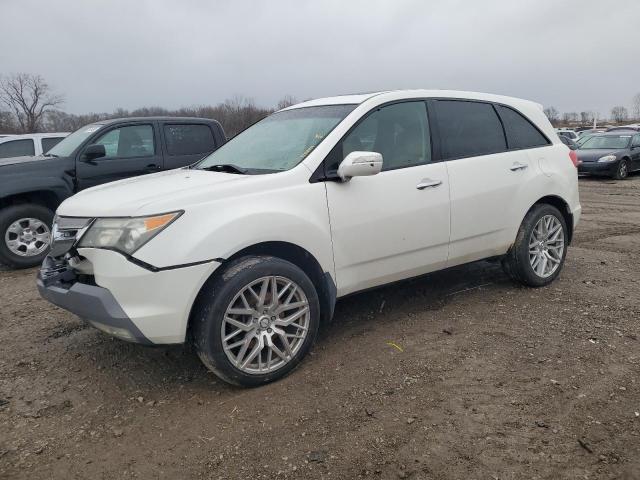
<point>572,54</point>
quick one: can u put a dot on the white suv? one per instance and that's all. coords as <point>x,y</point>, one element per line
<point>245,253</point>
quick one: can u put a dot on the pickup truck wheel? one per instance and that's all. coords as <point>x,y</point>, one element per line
<point>538,253</point>
<point>25,235</point>
<point>254,323</point>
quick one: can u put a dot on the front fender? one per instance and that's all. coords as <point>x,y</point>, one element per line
<point>295,214</point>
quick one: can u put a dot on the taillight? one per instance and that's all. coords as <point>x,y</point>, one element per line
<point>574,158</point>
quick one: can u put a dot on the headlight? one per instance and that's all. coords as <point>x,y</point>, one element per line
<point>125,234</point>
<point>607,158</point>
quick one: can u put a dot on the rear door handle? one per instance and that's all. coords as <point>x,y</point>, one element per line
<point>152,167</point>
<point>428,183</point>
<point>518,166</point>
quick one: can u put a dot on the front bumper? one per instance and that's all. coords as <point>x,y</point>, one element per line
<point>59,284</point>
<point>598,168</point>
<point>124,299</point>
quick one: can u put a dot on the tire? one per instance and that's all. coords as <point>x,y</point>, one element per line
<point>622,170</point>
<point>14,249</point>
<point>521,259</point>
<point>221,300</point>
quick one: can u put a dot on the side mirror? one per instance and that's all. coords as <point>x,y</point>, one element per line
<point>94,151</point>
<point>360,164</point>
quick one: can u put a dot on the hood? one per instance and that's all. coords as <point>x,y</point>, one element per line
<point>588,156</point>
<point>148,194</point>
<point>14,160</point>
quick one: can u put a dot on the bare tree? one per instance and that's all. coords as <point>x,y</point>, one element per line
<point>585,117</point>
<point>29,98</point>
<point>7,124</point>
<point>636,106</point>
<point>619,114</point>
<point>552,114</point>
<point>286,101</point>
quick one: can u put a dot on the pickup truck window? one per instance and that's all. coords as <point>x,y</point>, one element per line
<point>17,148</point>
<point>188,139</point>
<point>280,141</point>
<point>73,141</point>
<point>49,142</point>
<point>129,141</point>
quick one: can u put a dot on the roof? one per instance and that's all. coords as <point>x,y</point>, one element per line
<point>395,94</point>
<point>161,119</point>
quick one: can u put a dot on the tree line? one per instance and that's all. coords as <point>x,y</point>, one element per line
<point>618,114</point>
<point>28,105</point>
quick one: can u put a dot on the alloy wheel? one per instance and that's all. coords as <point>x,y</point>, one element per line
<point>27,237</point>
<point>546,246</point>
<point>265,325</point>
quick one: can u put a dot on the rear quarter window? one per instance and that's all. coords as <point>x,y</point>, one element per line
<point>17,148</point>
<point>521,133</point>
<point>468,129</point>
<point>189,139</point>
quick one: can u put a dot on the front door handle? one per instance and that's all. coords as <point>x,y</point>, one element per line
<point>518,166</point>
<point>428,183</point>
<point>152,167</point>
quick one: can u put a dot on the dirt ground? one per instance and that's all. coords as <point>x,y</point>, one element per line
<point>487,380</point>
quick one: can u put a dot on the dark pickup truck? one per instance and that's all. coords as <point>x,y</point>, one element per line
<point>31,188</point>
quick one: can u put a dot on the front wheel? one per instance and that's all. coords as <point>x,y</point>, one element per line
<point>538,253</point>
<point>622,171</point>
<point>255,322</point>
<point>25,234</point>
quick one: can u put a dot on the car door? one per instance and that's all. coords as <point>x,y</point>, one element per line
<point>635,152</point>
<point>393,225</point>
<point>485,176</point>
<point>131,149</point>
<point>186,143</point>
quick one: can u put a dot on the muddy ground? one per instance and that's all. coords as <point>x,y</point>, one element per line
<point>494,381</point>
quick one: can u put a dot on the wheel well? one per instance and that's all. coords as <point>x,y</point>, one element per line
<point>563,207</point>
<point>302,259</point>
<point>44,198</point>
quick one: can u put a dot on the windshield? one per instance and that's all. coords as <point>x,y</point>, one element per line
<point>280,141</point>
<point>71,142</point>
<point>608,142</point>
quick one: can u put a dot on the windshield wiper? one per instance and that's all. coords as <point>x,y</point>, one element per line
<point>50,155</point>
<point>225,167</point>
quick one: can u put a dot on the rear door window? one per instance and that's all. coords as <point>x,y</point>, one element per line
<point>17,148</point>
<point>521,133</point>
<point>50,142</point>
<point>189,139</point>
<point>468,129</point>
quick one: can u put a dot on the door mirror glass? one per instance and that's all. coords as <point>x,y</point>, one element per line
<point>94,151</point>
<point>360,164</point>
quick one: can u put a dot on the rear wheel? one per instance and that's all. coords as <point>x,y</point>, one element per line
<point>622,171</point>
<point>25,235</point>
<point>537,256</point>
<point>254,323</point>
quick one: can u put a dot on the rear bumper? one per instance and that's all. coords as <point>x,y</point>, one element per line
<point>595,168</point>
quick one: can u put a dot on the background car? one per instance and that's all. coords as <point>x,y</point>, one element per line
<point>568,142</point>
<point>613,154</point>
<point>29,145</point>
<point>568,133</point>
<point>624,128</point>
